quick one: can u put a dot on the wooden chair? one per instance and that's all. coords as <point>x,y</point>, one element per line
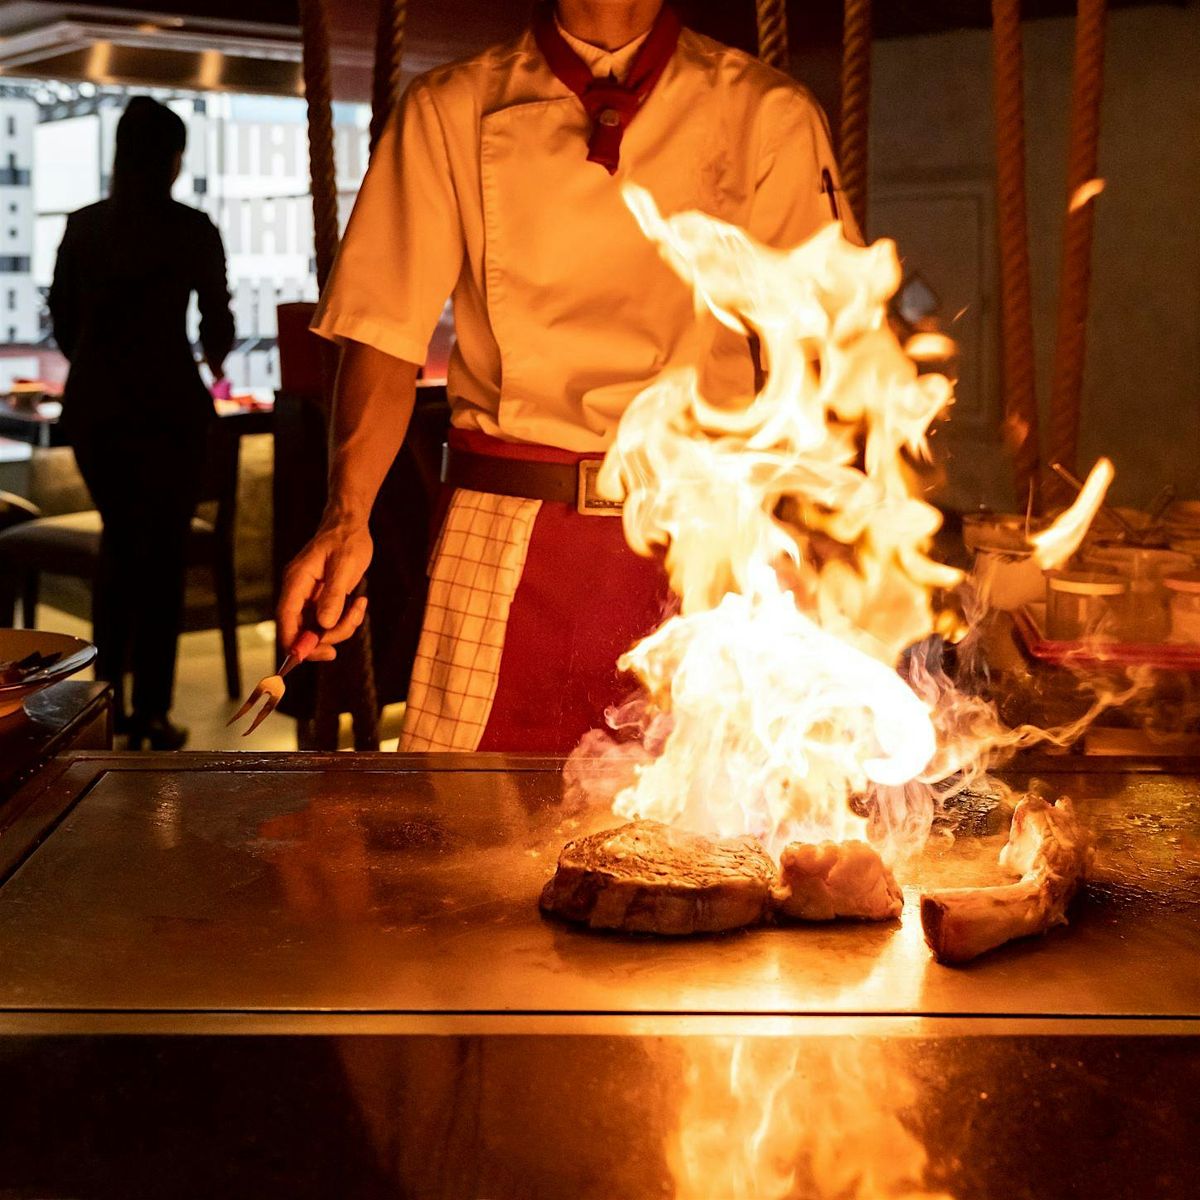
<point>68,544</point>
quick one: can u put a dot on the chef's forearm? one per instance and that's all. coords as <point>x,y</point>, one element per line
<point>373,404</point>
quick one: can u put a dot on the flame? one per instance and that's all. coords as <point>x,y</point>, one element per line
<point>930,347</point>
<point>794,537</point>
<point>1085,193</point>
<point>1053,546</point>
<point>765,1118</point>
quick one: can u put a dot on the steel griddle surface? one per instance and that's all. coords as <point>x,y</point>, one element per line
<point>409,886</point>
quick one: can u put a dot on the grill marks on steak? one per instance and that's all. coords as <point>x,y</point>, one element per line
<point>646,877</point>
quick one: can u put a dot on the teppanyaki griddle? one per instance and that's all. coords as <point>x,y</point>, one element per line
<point>327,975</point>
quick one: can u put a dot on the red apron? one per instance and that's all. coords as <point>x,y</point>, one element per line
<point>582,600</point>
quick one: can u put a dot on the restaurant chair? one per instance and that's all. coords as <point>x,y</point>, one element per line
<point>14,510</point>
<point>68,543</point>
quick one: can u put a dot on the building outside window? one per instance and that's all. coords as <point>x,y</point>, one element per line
<point>246,166</point>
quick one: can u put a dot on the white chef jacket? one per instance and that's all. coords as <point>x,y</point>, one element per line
<point>480,188</point>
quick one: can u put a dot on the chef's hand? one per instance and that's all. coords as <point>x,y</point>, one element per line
<point>324,574</point>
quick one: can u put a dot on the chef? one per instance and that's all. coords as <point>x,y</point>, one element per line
<point>498,183</point>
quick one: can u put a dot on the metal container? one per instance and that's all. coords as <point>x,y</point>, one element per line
<point>1004,571</point>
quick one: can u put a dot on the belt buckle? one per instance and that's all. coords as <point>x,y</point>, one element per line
<point>588,501</point>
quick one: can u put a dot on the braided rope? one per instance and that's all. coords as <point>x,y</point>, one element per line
<point>322,171</point>
<point>352,675</point>
<point>389,55</point>
<point>1087,86</point>
<point>1016,304</point>
<point>856,105</point>
<point>772,32</point>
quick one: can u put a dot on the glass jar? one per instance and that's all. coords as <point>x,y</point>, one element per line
<point>1083,604</point>
<point>1144,567</point>
<point>1183,592</point>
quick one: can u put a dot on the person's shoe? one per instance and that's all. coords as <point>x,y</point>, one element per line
<point>157,732</point>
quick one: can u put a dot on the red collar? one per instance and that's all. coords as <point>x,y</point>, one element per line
<point>611,105</point>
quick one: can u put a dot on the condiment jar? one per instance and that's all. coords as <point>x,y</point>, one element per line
<point>1083,604</point>
<point>1144,567</point>
<point>1183,592</point>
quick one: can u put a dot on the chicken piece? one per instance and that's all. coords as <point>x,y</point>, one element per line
<point>646,877</point>
<point>1051,852</point>
<point>835,879</point>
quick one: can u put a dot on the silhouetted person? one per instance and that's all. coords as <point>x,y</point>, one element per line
<point>134,406</point>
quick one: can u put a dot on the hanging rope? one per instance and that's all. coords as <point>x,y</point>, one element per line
<point>772,32</point>
<point>389,55</point>
<point>350,680</point>
<point>1016,304</point>
<point>322,172</point>
<point>856,105</point>
<point>1087,87</point>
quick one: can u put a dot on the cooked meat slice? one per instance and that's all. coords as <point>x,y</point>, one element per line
<point>1052,853</point>
<point>835,879</point>
<point>646,877</point>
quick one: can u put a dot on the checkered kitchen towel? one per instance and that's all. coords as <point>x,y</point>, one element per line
<point>474,573</point>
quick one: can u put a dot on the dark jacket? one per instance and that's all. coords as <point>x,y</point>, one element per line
<point>122,284</point>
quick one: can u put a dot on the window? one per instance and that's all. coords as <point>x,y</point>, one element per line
<point>12,206</point>
<point>14,264</point>
<point>200,185</point>
<point>12,232</point>
<point>12,333</point>
<point>12,175</point>
<point>12,299</point>
<point>12,126</point>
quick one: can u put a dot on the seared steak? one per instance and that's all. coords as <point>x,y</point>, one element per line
<point>648,878</point>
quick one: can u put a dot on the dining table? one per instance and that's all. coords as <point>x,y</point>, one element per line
<point>41,426</point>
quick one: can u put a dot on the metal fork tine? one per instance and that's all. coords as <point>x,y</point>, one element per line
<point>251,701</point>
<point>263,713</point>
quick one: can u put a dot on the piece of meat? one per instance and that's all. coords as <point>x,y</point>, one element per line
<point>835,879</point>
<point>1051,852</point>
<point>646,877</point>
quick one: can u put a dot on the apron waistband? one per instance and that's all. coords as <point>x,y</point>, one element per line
<point>529,472</point>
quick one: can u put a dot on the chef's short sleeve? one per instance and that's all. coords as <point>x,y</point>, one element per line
<point>799,185</point>
<point>403,248</point>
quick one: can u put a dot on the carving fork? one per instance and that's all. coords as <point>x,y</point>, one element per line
<point>272,687</point>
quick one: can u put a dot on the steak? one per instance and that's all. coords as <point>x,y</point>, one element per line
<point>835,879</point>
<point>646,877</point>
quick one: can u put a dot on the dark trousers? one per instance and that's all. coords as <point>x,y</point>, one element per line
<point>145,484</point>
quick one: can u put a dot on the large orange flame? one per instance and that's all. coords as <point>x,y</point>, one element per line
<point>793,536</point>
<point>797,541</point>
